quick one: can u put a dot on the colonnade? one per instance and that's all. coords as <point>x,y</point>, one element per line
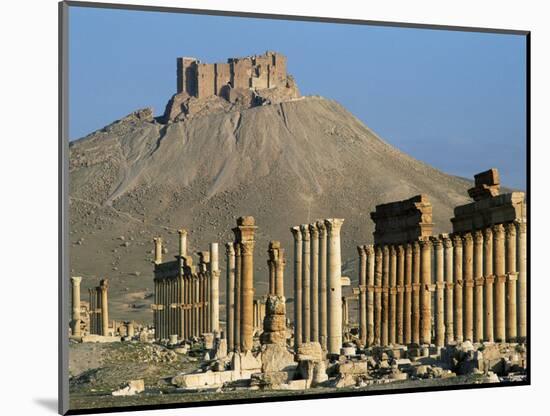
<point>446,288</point>
<point>317,284</point>
<point>99,308</point>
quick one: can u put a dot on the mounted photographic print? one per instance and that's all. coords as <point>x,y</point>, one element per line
<point>265,208</point>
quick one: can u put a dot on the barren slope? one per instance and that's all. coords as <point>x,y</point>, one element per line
<point>284,164</point>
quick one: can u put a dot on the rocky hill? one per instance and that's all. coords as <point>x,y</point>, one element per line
<point>285,164</point>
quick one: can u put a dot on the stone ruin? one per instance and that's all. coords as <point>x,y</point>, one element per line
<point>430,306</point>
<point>240,83</point>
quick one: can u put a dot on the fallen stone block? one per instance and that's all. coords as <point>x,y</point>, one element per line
<point>133,387</point>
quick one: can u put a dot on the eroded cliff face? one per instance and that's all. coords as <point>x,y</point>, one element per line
<point>284,164</point>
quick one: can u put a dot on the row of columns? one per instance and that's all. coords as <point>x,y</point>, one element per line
<point>478,291</point>
<point>317,284</point>
<point>240,286</point>
<point>99,307</point>
<point>187,303</point>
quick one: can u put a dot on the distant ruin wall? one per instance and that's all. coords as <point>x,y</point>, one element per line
<point>258,72</point>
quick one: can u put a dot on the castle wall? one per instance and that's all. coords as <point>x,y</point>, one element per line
<point>204,80</point>
<point>223,77</point>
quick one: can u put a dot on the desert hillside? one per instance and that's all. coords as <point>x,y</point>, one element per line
<point>285,164</point>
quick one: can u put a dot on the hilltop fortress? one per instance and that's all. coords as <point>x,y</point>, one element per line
<point>239,83</point>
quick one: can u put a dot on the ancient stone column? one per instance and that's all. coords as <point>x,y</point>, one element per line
<point>280,273</point>
<point>104,286</point>
<point>449,289</point>
<point>378,296</point>
<point>385,294</point>
<point>238,279</point>
<point>298,328</point>
<point>214,289</point>
<point>197,309</point>
<point>322,284</point>
<point>246,233</point>
<point>458,287</point>
<point>440,287</point>
<point>182,242</point>
<point>158,250</point>
<point>345,313</point>
<point>500,281</point>
<point>75,321</point>
<point>392,322</point>
<point>271,267</point>
<point>468,280</point>
<point>488,274</point>
<point>511,283</point>
<point>407,324</point>
<point>306,281</point>
<point>314,292</point>
<point>130,332</point>
<point>522,280</point>
<point>415,323</point>
<point>334,269</point>
<point>362,266</point>
<point>425,291</point>
<point>186,306</point>
<point>369,249</point>
<point>230,295</point>
<point>400,292</point>
<point>478,286</point>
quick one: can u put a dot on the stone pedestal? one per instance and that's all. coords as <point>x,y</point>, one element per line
<point>334,341</point>
<point>75,312</point>
<point>298,327</point>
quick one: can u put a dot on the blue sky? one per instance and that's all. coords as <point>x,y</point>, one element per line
<point>455,100</point>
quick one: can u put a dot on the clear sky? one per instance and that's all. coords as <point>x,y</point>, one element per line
<point>455,100</point>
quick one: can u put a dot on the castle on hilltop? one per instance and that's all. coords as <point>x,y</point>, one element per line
<point>257,72</point>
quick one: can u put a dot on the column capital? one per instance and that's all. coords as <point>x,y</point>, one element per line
<point>104,284</point>
<point>321,227</point>
<point>237,247</point>
<point>392,250</point>
<point>182,231</point>
<point>478,237</point>
<point>467,238</point>
<point>400,249</point>
<point>425,242</point>
<point>510,229</point>
<point>229,249</point>
<point>408,249</point>
<point>521,226</point>
<point>304,228</point>
<point>334,225</point>
<point>296,233</point>
<point>369,249</point>
<point>447,241</point>
<point>415,247</point>
<point>247,247</point>
<point>76,279</point>
<point>313,230</point>
<point>361,251</point>
<point>498,231</point>
<point>437,242</point>
<point>385,249</point>
<point>487,233</point>
<point>457,240</point>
